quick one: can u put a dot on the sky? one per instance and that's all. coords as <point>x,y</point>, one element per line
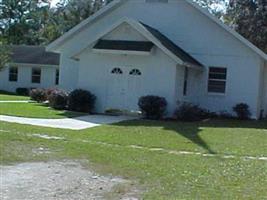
<point>54,2</point>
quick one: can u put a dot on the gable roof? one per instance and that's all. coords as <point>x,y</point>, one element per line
<point>175,49</point>
<point>33,55</point>
<point>228,29</point>
<point>117,3</point>
<point>155,37</point>
<point>114,4</point>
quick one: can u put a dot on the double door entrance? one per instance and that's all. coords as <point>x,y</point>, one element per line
<point>124,88</point>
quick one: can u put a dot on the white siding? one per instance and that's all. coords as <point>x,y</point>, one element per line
<point>95,71</point>
<point>48,76</point>
<point>190,29</point>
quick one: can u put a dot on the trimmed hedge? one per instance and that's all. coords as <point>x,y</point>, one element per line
<point>152,107</point>
<point>190,112</point>
<point>81,101</point>
<point>38,95</point>
<point>58,99</point>
<point>242,111</point>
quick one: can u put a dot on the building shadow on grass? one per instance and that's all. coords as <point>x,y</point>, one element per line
<point>191,131</point>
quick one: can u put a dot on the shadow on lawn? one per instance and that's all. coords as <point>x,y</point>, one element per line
<point>62,113</point>
<point>191,130</point>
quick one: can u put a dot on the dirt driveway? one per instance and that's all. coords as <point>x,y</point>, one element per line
<point>66,180</point>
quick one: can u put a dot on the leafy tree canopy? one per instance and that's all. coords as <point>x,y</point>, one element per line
<point>249,18</point>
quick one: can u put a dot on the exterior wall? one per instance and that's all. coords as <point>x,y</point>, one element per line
<point>124,32</point>
<point>264,90</point>
<point>68,73</point>
<point>194,32</point>
<point>95,73</point>
<point>48,77</point>
<point>242,86</point>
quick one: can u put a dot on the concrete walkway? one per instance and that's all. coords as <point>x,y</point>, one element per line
<point>15,101</point>
<point>77,123</point>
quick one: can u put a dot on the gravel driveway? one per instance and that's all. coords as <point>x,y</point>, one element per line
<point>66,180</point>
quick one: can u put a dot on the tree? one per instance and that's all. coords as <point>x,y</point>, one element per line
<point>4,54</point>
<point>249,18</point>
<point>22,20</point>
<point>67,14</point>
<point>216,7</point>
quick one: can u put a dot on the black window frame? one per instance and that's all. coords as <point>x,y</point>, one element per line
<point>36,78</point>
<point>13,75</point>
<point>217,79</point>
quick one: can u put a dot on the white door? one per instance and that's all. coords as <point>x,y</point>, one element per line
<point>133,89</point>
<point>123,90</point>
<point>116,89</point>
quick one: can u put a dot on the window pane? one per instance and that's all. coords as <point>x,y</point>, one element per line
<point>217,70</point>
<point>116,71</point>
<point>135,72</point>
<point>13,78</point>
<point>13,74</point>
<point>36,72</point>
<point>36,75</point>
<point>217,76</point>
<point>217,86</point>
<point>217,79</point>
<point>57,77</point>
<point>185,81</point>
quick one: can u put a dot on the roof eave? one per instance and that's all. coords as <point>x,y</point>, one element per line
<point>193,66</point>
<point>58,42</point>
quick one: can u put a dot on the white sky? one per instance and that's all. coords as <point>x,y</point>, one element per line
<point>54,2</point>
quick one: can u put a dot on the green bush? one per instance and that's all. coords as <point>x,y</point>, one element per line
<point>190,112</point>
<point>58,99</point>
<point>152,107</point>
<point>81,101</point>
<point>242,111</point>
<point>38,95</point>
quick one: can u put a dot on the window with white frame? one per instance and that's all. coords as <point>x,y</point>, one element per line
<point>36,75</point>
<point>217,80</point>
<point>13,74</point>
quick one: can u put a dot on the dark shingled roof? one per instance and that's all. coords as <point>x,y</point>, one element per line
<point>175,49</point>
<point>124,45</point>
<point>33,55</point>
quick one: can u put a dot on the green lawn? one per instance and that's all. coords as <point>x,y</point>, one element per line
<point>6,96</point>
<point>159,174</point>
<point>35,110</point>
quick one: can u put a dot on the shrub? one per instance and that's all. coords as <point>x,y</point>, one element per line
<point>50,91</point>
<point>58,99</point>
<point>152,107</point>
<point>38,95</point>
<point>190,112</point>
<point>23,91</point>
<point>242,111</point>
<point>81,101</point>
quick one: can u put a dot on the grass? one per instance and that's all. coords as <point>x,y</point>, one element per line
<point>7,96</point>
<point>35,110</point>
<point>159,174</point>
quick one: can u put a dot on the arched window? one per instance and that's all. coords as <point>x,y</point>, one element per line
<point>116,71</point>
<point>135,72</point>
